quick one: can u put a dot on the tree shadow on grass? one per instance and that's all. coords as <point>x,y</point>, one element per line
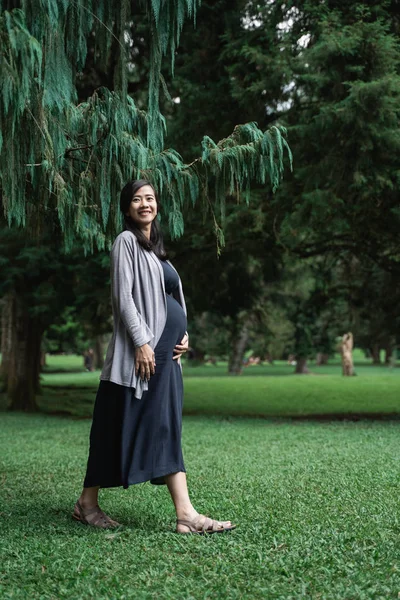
<point>38,518</point>
<point>317,417</point>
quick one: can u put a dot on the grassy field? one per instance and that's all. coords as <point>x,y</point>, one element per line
<point>261,391</point>
<point>316,503</point>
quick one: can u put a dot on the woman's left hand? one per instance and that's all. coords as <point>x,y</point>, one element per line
<point>181,348</point>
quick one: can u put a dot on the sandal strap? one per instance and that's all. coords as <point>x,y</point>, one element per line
<point>200,524</point>
<point>100,519</point>
<point>86,512</point>
<point>186,523</point>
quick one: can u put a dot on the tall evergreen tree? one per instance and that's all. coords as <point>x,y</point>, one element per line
<point>338,92</point>
<point>78,155</point>
<point>333,78</point>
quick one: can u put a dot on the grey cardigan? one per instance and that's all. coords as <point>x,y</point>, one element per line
<point>139,308</point>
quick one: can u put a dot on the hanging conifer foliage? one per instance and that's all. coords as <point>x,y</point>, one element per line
<point>64,161</point>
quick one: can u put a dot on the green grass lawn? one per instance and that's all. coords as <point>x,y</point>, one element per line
<point>261,391</point>
<point>316,502</point>
<point>317,506</point>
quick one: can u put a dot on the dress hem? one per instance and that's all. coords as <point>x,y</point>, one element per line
<point>167,470</point>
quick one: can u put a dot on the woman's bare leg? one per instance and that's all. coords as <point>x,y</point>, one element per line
<point>89,497</point>
<point>88,511</point>
<point>177,486</point>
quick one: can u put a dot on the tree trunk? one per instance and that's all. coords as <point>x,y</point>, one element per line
<point>321,359</point>
<point>346,349</point>
<point>99,349</point>
<point>43,359</point>
<point>301,366</point>
<point>376,354</point>
<point>6,334</point>
<point>238,348</point>
<point>390,354</point>
<point>24,359</point>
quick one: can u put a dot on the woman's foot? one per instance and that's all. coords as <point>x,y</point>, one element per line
<point>188,519</point>
<point>200,524</point>
<point>94,517</point>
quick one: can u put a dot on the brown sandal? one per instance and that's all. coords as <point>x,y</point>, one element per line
<point>202,525</point>
<point>99,518</point>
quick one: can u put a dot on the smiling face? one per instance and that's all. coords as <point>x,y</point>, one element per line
<point>143,207</point>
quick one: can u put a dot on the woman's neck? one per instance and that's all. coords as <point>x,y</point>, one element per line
<point>146,230</point>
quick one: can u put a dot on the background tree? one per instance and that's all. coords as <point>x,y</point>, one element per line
<point>337,90</point>
<point>232,286</point>
<point>93,302</point>
<point>340,100</point>
<point>372,296</point>
<point>36,285</point>
<point>88,320</point>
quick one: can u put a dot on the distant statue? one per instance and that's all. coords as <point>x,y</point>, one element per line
<point>346,350</point>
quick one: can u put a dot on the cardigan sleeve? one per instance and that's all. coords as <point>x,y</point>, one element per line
<point>122,281</point>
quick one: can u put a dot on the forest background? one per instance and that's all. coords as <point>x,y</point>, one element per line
<point>275,273</point>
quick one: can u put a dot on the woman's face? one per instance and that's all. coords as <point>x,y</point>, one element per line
<point>143,207</point>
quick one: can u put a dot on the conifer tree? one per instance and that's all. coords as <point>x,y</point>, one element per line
<point>334,81</point>
<point>339,98</point>
<point>59,157</point>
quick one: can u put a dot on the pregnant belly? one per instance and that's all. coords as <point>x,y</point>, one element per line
<point>174,329</point>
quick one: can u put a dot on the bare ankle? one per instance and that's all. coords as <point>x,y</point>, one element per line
<point>89,498</point>
<point>87,503</point>
<point>186,512</point>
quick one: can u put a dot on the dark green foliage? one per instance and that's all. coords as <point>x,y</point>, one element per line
<point>235,281</point>
<point>373,297</point>
<point>66,161</point>
<point>346,131</point>
<point>39,273</point>
<point>65,334</point>
<point>331,72</point>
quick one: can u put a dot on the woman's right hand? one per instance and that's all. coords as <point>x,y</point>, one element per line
<point>145,361</point>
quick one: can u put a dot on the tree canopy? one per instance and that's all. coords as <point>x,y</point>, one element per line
<point>64,161</point>
<point>330,73</point>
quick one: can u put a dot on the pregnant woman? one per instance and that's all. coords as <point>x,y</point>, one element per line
<point>137,419</point>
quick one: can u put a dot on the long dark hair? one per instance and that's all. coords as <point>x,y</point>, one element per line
<point>156,242</point>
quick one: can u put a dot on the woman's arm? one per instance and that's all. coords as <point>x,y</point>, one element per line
<point>122,281</point>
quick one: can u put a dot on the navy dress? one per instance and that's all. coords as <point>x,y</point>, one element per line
<point>135,440</point>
